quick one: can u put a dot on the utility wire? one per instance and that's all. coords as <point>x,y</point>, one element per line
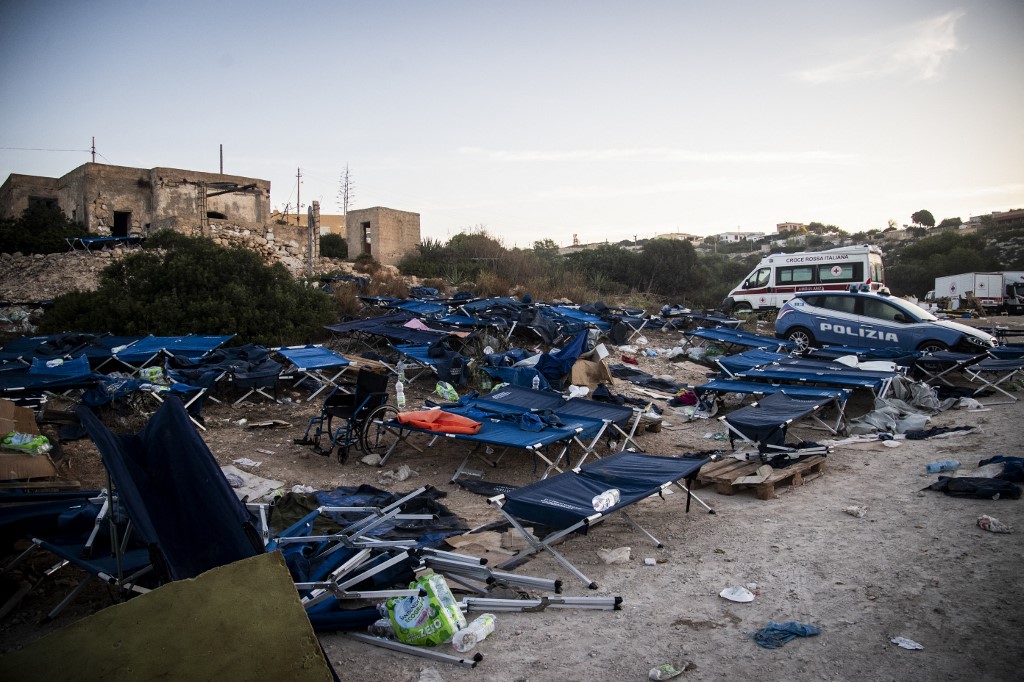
<point>40,149</point>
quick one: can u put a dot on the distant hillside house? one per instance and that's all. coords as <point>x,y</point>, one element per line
<point>683,236</point>
<point>783,228</point>
<point>121,201</point>
<point>733,237</point>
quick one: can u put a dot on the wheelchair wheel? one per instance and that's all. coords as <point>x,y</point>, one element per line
<point>378,437</point>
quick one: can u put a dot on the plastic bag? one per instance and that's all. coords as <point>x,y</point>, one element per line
<point>27,443</point>
<point>426,621</point>
<point>446,391</point>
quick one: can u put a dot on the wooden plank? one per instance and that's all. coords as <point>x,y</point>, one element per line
<point>724,474</point>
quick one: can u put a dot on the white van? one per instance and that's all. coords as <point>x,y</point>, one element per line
<point>780,275</point>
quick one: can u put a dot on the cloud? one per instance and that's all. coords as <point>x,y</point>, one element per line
<point>667,153</point>
<point>918,51</point>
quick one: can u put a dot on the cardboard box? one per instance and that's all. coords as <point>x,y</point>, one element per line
<point>15,466</point>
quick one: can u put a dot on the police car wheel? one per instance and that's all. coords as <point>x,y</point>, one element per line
<point>801,337</point>
<point>932,346</point>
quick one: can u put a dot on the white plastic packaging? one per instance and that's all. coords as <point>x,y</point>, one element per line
<point>536,383</point>
<point>400,395</point>
<point>477,631</point>
<point>606,500</point>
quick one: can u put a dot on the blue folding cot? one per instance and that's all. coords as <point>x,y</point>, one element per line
<point>145,350</point>
<point>734,338</point>
<point>765,424</point>
<point>317,364</point>
<point>565,503</point>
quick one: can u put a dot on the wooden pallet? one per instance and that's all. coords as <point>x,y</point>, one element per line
<point>723,475</point>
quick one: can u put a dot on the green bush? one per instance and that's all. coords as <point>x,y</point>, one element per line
<point>195,286</point>
<point>40,229</point>
<point>333,246</point>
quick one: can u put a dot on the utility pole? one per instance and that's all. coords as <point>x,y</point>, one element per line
<point>298,195</point>
<point>222,159</point>
<point>94,149</point>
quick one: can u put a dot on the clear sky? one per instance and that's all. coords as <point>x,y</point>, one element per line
<point>535,120</point>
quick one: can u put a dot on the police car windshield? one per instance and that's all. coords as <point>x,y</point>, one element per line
<point>915,310</point>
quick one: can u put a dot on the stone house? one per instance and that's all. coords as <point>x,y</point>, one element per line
<point>121,201</point>
<point>385,233</point>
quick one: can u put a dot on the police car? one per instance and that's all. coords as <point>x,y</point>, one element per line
<point>872,320</point>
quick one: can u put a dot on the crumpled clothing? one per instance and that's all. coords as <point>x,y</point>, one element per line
<point>440,421</point>
<point>774,635</point>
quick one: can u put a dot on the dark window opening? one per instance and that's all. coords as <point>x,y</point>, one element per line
<point>216,215</point>
<point>122,223</point>
<point>367,237</point>
<point>45,202</point>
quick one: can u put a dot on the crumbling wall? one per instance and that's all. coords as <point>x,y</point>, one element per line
<point>285,244</point>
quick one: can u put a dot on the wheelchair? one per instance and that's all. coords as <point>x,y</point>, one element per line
<point>350,403</point>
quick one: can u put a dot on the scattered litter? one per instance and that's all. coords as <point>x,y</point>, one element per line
<point>303,489</point>
<point>619,555</point>
<point>269,424</point>
<point>242,422</point>
<point>716,436</point>
<point>248,486</point>
<point>859,512</point>
<point>373,459</point>
<point>403,472</point>
<point>667,671</point>
<point>446,391</point>
<point>891,443</point>
<point>650,561</point>
<point>578,391</point>
<point>265,452</point>
<point>774,635</point>
<point>246,462</point>
<point>905,643</point>
<point>993,525</point>
<point>737,593</point>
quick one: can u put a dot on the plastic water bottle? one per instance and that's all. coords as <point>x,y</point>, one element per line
<point>477,631</point>
<point>943,465</point>
<point>536,383</point>
<point>606,500</point>
<point>401,370</point>
<point>400,395</point>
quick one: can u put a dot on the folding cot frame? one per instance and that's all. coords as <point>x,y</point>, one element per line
<point>86,243</point>
<point>314,363</point>
<point>121,569</point>
<point>145,350</point>
<point>878,385</point>
<point>760,389</point>
<point>938,366</point>
<point>565,502</point>
<point>1005,369</point>
<point>612,417</point>
<point>493,433</point>
<point>733,338</point>
<point>788,408</point>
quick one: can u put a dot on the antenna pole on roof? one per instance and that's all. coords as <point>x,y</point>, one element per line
<point>94,149</point>
<point>298,195</point>
<point>222,159</point>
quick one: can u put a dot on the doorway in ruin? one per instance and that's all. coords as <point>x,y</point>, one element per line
<point>367,238</point>
<point>122,223</point>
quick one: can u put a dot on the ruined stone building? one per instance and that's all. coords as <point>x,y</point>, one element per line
<point>384,233</point>
<point>121,201</point>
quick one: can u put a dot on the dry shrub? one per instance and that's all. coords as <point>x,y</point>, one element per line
<point>346,298</point>
<point>490,283</point>
<point>388,282</point>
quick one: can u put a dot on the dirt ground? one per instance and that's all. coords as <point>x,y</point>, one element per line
<point>915,566</point>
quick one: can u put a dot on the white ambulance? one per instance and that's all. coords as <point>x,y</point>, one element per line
<point>780,275</point>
